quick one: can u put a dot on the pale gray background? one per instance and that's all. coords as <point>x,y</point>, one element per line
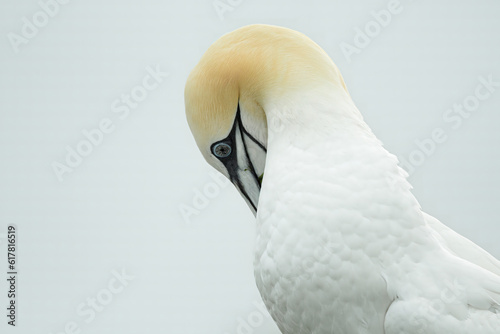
<point>120,208</point>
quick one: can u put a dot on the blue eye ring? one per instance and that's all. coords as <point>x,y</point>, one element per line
<point>222,150</point>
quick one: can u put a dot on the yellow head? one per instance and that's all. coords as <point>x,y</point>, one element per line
<point>227,93</point>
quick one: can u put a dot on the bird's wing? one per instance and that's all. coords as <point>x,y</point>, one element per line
<point>466,299</point>
<point>422,316</point>
<point>462,247</point>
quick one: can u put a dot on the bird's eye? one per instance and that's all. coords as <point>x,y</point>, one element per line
<point>222,150</point>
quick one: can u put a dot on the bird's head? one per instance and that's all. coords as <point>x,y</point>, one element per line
<point>237,79</point>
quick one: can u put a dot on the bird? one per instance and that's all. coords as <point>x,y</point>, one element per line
<point>342,245</point>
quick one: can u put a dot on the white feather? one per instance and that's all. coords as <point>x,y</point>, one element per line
<point>343,246</point>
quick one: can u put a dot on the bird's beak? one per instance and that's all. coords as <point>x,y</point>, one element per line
<point>246,164</point>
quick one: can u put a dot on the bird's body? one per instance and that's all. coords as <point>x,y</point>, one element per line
<point>342,245</point>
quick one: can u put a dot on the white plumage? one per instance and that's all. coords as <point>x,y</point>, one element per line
<point>342,244</point>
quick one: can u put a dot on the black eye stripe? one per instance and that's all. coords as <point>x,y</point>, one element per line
<point>228,140</point>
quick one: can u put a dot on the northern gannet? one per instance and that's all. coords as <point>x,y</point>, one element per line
<point>342,245</point>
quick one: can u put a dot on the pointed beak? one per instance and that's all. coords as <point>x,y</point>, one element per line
<point>246,164</point>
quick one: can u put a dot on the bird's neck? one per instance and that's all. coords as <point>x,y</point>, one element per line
<point>319,114</point>
<point>323,160</point>
<point>322,120</point>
